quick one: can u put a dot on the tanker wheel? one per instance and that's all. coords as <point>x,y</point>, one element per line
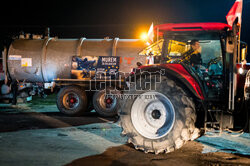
<point>106,105</point>
<point>159,120</point>
<point>72,101</point>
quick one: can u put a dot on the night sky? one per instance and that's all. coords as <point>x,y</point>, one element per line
<point>113,18</point>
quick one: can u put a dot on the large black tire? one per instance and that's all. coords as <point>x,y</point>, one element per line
<point>100,103</point>
<point>178,126</point>
<point>72,101</point>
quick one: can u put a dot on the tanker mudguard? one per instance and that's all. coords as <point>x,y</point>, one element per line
<point>178,72</point>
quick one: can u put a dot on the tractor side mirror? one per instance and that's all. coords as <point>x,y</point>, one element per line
<point>243,52</point>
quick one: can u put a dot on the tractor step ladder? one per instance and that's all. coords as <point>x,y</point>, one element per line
<point>213,123</point>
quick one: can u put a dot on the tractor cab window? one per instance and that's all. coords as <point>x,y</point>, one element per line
<point>211,73</point>
<point>181,51</point>
<point>202,54</point>
<point>208,52</point>
<point>153,52</point>
<point>211,55</point>
<point>203,57</point>
<point>176,49</point>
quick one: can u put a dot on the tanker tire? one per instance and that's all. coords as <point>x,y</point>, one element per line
<point>100,105</point>
<point>183,128</point>
<point>75,93</point>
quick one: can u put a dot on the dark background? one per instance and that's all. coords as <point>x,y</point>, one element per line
<point>113,18</point>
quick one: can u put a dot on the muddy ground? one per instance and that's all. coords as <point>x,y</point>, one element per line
<point>37,134</point>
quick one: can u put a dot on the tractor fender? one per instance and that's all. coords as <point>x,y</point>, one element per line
<point>178,73</point>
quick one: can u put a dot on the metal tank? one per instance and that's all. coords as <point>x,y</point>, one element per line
<point>43,60</point>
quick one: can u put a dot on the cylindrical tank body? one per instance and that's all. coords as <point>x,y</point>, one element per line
<point>43,60</point>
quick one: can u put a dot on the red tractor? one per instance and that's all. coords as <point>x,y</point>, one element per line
<point>187,88</point>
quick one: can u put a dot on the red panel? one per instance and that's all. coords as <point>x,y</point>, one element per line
<point>183,72</point>
<point>178,68</point>
<point>191,27</point>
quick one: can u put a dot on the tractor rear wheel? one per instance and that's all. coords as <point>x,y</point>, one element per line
<point>159,120</point>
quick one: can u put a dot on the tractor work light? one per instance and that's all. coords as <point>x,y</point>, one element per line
<point>241,70</point>
<point>144,36</point>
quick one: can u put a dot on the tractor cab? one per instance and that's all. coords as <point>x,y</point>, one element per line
<point>175,46</point>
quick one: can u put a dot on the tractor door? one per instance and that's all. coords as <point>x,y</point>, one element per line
<point>208,71</point>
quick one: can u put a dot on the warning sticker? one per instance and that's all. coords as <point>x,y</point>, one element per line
<point>15,57</point>
<point>26,62</point>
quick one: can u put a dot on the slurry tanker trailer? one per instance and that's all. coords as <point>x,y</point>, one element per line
<point>83,69</point>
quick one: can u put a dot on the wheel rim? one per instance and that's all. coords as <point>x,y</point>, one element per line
<point>107,102</point>
<point>153,115</point>
<point>70,100</point>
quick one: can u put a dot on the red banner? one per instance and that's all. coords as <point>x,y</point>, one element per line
<point>235,11</point>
